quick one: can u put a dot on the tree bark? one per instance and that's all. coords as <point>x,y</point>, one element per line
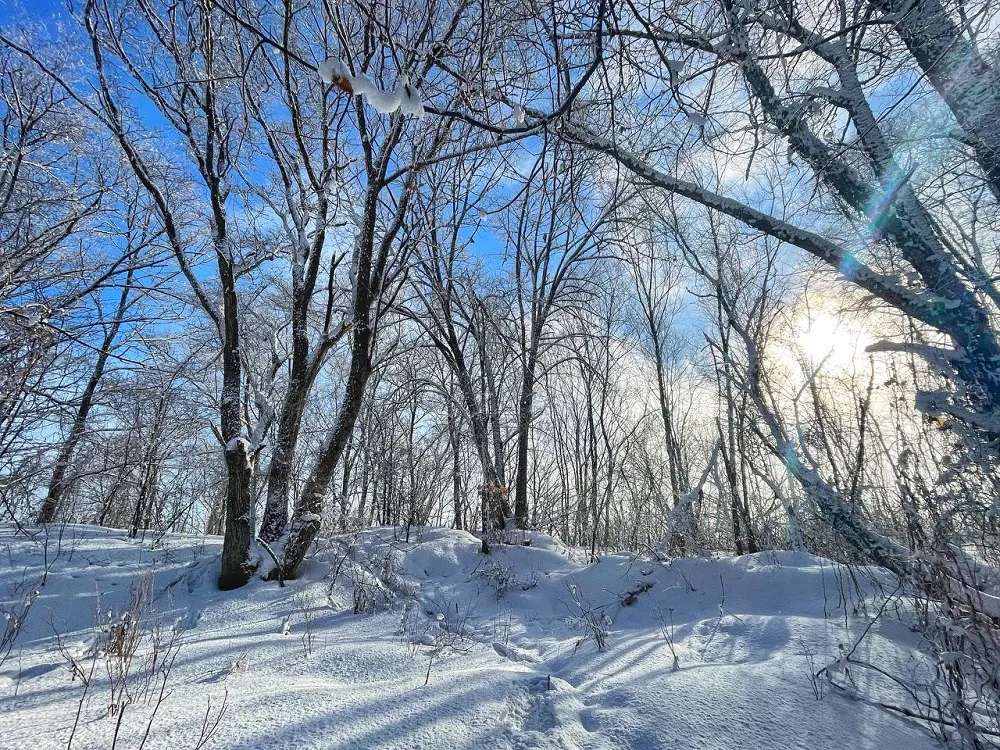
<point>965,80</point>
<point>524,414</point>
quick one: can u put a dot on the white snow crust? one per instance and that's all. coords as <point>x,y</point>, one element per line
<point>457,649</point>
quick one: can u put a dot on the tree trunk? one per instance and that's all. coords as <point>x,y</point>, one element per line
<point>282,457</point>
<point>57,485</point>
<point>236,567</point>
<point>966,81</point>
<point>309,507</point>
<point>303,371</point>
<point>525,404</point>
<point>456,465</point>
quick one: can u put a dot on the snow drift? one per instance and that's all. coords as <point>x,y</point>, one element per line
<point>389,643</point>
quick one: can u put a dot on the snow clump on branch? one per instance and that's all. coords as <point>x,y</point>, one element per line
<point>405,98</point>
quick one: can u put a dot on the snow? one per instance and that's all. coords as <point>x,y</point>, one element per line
<point>453,649</point>
<point>405,97</point>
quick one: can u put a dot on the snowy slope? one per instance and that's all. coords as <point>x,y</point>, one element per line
<point>530,647</point>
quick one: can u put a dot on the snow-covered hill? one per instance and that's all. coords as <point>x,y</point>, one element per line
<point>529,647</point>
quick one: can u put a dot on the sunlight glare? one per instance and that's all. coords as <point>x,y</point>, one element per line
<point>830,342</point>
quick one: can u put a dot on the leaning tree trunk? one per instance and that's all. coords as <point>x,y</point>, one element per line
<point>371,275</point>
<point>307,515</point>
<point>305,366</point>
<point>289,422</point>
<point>964,78</point>
<point>282,456</point>
<point>309,507</point>
<point>57,485</point>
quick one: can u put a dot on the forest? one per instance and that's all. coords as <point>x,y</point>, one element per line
<point>644,279</point>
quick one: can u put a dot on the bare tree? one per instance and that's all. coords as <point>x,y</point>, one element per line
<point>455,318</point>
<point>554,236</point>
<point>49,195</point>
<point>392,167</point>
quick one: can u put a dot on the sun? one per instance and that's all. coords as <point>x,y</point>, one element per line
<point>828,341</point>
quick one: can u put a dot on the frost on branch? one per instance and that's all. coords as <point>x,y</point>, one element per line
<point>405,98</point>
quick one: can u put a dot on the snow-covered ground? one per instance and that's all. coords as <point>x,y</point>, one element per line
<point>530,647</point>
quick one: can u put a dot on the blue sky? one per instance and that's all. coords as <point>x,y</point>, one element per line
<point>41,9</point>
